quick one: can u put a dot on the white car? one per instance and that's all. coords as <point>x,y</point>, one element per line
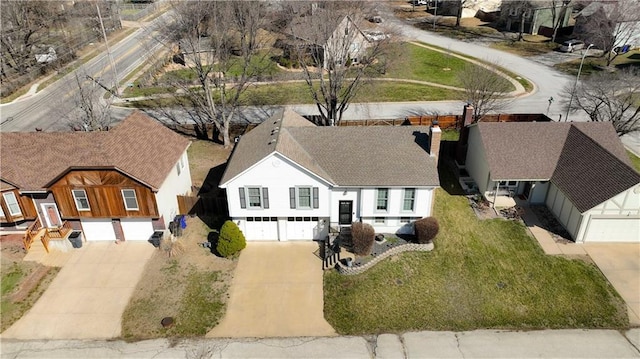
<point>375,35</point>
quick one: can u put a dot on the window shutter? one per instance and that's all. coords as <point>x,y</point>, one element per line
<point>292,197</point>
<point>265,197</point>
<point>243,202</point>
<point>316,203</point>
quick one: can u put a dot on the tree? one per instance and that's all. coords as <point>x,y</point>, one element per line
<point>609,25</point>
<point>461,4</point>
<point>557,17</point>
<point>91,112</point>
<point>609,97</point>
<point>217,41</point>
<point>483,89</point>
<point>335,56</point>
<point>231,239</point>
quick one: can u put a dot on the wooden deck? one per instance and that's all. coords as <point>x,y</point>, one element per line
<point>49,237</point>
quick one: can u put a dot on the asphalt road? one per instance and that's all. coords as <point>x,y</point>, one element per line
<point>47,109</point>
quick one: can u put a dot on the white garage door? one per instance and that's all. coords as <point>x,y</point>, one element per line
<point>301,228</point>
<point>613,230</point>
<point>98,230</point>
<point>136,229</point>
<point>261,229</point>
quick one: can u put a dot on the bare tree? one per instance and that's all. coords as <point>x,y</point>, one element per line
<point>558,13</point>
<point>609,97</point>
<point>483,89</point>
<point>335,55</point>
<point>217,42</point>
<point>609,25</point>
<point>461,4</point>
<point>92,112</point>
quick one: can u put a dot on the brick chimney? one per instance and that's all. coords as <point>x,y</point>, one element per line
<point>467,115</point>
<point>461,148</point>
<point>434,139</point>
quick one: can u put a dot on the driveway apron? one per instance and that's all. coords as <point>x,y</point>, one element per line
<point>276,292</point>
<point>620,263</point>
<point>88,296</point>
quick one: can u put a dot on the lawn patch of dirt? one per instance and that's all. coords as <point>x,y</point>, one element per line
<point>22,282</point>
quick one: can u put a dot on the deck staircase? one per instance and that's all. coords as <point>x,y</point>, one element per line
<point>48,246</point>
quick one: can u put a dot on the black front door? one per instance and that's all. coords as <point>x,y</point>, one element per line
<point>345,212</point>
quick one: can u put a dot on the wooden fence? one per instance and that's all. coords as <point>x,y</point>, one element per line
<point>200,205</point>
<point>446,121</point>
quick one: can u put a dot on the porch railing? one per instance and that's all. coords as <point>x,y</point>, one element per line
<point>31,234</point>
<point>56,233</point>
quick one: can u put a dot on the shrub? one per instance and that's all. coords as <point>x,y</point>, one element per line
<point>362,236</point>
<point>426,229</point>
<point>231,240</point>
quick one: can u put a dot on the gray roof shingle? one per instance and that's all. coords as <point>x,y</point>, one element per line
<point>140,147</point>
<point>343,156</point>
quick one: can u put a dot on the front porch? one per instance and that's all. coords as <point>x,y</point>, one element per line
<point>56,238</point>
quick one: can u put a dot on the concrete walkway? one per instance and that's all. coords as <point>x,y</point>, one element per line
<point>87,298</point>
<point>474,344</point>
<point>620,263</point>
<point>276,292</point>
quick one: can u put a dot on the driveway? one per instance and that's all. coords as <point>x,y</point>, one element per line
<point>276,292</point>
<point>88,296</point>
<point>620,263</point>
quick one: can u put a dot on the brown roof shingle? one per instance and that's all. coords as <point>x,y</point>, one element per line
<point>343,156</point>
<point>140,147</point>
<point>586,160</point>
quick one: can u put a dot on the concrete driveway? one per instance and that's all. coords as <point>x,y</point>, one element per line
<point>620,263</point>
<point>276,292</point>
<point>87,298</point>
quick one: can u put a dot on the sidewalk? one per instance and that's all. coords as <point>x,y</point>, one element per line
<point>474,344</point>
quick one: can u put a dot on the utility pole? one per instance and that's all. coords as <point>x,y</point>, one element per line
<point>575,85</point>
<point>113,65</point>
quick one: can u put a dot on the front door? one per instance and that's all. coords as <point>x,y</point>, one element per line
<point>527,190</point>
<point>345,212</point>
<point>51,215</point>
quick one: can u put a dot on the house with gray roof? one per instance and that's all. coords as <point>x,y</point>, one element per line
<point>120,184</point>
<point>288,179</point>
<point>580,171</point>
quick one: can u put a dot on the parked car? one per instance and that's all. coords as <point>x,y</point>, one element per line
<point>375,35</point>
<point>572,45</point>
<point>419,2</point>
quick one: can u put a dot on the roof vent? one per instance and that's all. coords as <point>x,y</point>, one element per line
<point>272,141</point>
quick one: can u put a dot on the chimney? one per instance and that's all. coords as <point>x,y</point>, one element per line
<point>467,115</point>
<point>434,139</point>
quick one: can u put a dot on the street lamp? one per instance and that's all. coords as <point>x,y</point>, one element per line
<point>550,102</point>
<point>576,83</point>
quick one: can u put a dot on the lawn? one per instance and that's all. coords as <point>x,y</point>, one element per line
<point>190,285</point>
<point>635,160</point>
<point>594,64</point>
<point>482,274</point>
<point>531,46</point>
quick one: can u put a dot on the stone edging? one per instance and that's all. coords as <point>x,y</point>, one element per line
<point>343,269</point>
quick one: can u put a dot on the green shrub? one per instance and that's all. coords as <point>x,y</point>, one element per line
<point>426,229</point>
<point>362,236</point>
<point>231,240</point>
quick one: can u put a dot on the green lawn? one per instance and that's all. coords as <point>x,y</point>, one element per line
<point>635,160</point>
<point>482,274</point>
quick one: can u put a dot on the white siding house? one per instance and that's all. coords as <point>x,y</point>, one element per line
<point>580,171</point>
<point>291,180</point>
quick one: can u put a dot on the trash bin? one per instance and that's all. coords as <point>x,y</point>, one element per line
<point>76,239</point>
<point>626,48</point>
<point>155,238</point>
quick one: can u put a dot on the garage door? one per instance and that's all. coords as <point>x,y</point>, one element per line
<point>98,230</point>
<point>261,229</point>
<point>136,229</point>
<point>301,228</point>
<point>613,230</point>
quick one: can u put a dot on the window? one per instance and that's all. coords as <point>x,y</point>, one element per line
<point>180,165</point>
<point>130,200</point>
<point>12,203</point>
<point>304,197</point>
<point>378,220</point>
<point>80,197</point>
<point>409,199</point>
<point>2,212</point>
<point>255,200</point>
<point>382,199</point>
<point>405,220</point>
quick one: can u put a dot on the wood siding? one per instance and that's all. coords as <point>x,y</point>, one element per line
<point>103,188</point>
<point>26,207</point>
